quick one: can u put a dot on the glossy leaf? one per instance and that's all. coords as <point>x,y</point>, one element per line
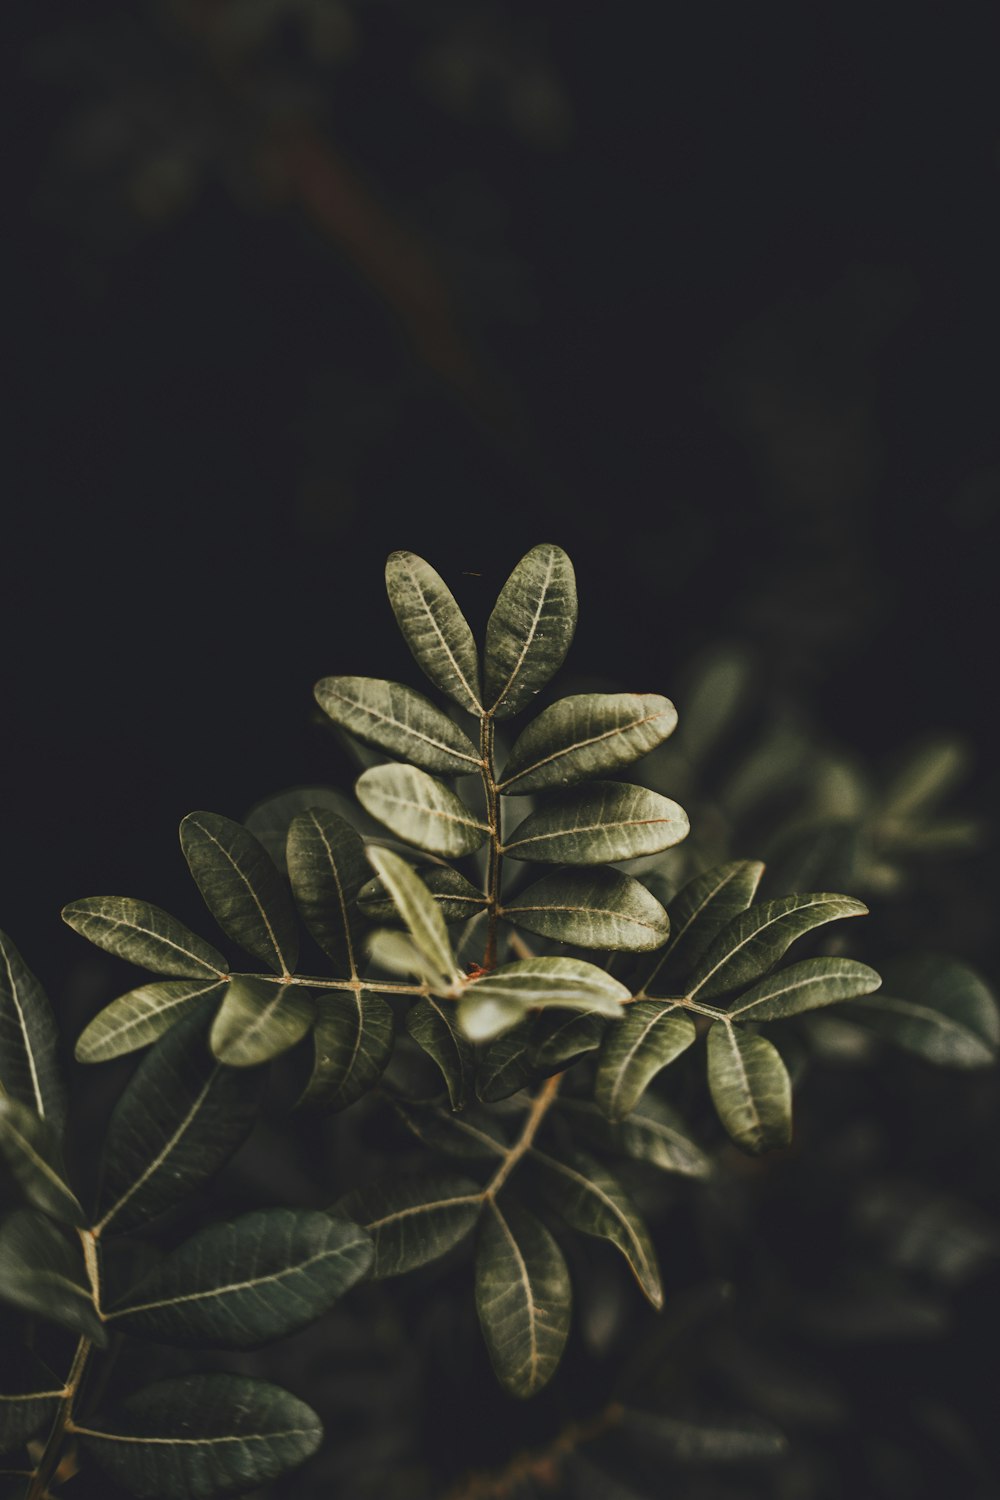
<point>598,823</point>
<point>140,1017</point>
<point>599,908</point>
<point>30,1147</point>
<point>754,942</point>
<point>584,736</point>
<point>474,1135</point>
<point>182,1115</point>
<point>650,1035</point>
<point>750,1088</point>
<point>530,629</point>
<point>420,810</point>
<point>327,868</point>
<point>28,1400</point>
<point>258,1020</point>
<point>652,1132</point>
<point>699,912</point>
<point>507,1064</point>
<point>499,999</point>
<point>241,888</point>
<point>29,1067</point>
<point>558,1040</point>
<point>418,910</point>
<point>240,1284</point>
<point>434,627</point>
<point>433,1026</point>
<point>523,1297</point>
<point>353,1044</point>
<point>194,1436</point>
<point>591,1200</point>
<point>399,721</point>
<point>413,1219</point>
<point>144,935</point>
<point>938,1008</point>
<point>456,898</point>
<point>42,1271</point>
<point>804,986</point>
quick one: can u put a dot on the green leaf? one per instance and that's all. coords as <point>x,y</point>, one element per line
<point>523,1297</point>
<point>434,627</point>
<point>144,935</point>
<point>200,1435</point>
<point>586,735</point>
<point>241,888</point>
<point>43,1272</point>
<point>420,810</point>
<point>30,1147</point>
<point>271,819</point>
<point>558,1040</point>
<point>418,910</point>
<point>327,868</point>
<point>754,942</point>
<point>180,1118</point>
<point>595,824</point>
<point>258,1020</point>
<point>599,908</point>
<point>805,986</point>
<point>398,720</point>
<point>938,1008</point>
<point>432,1025</point>
<point>413,1219</point>
<point>353,1044</point>
<point>690,1441</point>
<point>29,1066</point>
<point>397,952</point>
<point>592,1201</point>
<point>28,1400</point>
<point>652,1133</point>
<point>456,898</point>
<point>138,1018</point>
<point>473,1134</point>
<point>925,778</point>
<point>699,912</point>
<point>507,1064</point>
<point>650,1035</point>
<point>750,1088</point>
<point>240,1284</point>
<point>498,1000</point>
<point>530,629</point>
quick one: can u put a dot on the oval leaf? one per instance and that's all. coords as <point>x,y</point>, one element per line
<point>507,1065</point>
<point>599,908</point>
<point>432,1025</point>
<point>43,1272</point>
<point>238,1285</point>
<point>652,1132</point>
<point>398,720</point>
<point>200,1435</point>
<point>805,986</point>
<point>257,1021</point>
<point>413,1220</point>
<point>138,1018</point>
<point>144,935</point>
<point>523,1297</point>
<point>473,1134</point>
<point>530,629</point>
<point>30,1147</point>
<point>699,912</point>
<point>559,1040</point>
<point>418,910</point>
<point>435,629</point>
<point>753,942</point>
<point>599,823</point>
<point>241,888</point>
<point>327,867</point>
<point>271,819</point>
<point>420,810</point>
<point>938,1008</point>
<point>584,736</point>
<point>650,1035</point>
<point>353,1044</point>
<point>750,1088</point>
<point>29,1068</point>
<point>500,999</point>
<point>456,898</point>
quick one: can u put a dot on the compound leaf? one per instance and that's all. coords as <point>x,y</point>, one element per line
<point>699,912</point>
<point>43,1272</point>
<point>138,1018</point>
<point>434,627</point>
<point>586,735</point>
<point>456,898</point>
<point>327,868</point>
<point>353,1044</point>
<point>599,908</point>
<point>414,1219</point>
<point>418,909</point>
<point>398,720</point>
<point>523,1297</point>
<point>530,629</point>
<point>241,888</point>
<point>432,1025</point>
<point>271,819</point>
<point>473,1134</point>
<point>652,1132</point>
<point>500,999</point>
<point>507,1065</point>
<point>805,986</point>
<point>750,1088</point>
<point>142,934</point>
<point>558,1040</point>
<point>29,1068</point>
<point>754,941</point>
<point>30,1147</point>
<point>938,1008</point>
<point>420,810</point>
<point>650,1035</point>
<point>258,1020</point>
<point>598,823</point>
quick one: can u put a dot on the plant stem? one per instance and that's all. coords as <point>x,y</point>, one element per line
<point>49,1461</point>
<point>495,865</point>
<point>540,1106</point>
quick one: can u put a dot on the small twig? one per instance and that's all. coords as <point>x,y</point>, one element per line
<point>540,1105</point>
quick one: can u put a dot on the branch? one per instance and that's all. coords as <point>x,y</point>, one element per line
<point>541,1466</point>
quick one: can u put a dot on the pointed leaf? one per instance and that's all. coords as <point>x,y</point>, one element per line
<point>595,824</point>
<point>414,1219</point>
<point>699,912</point>
<point>420,810</point>
<point>523,1297</point>
<point>200,1435</point>
<point>138,1018</point>
<point>144,935</point>
<point>530,629</point>
<point>241,888</point>
<point>29,1066</point>
<point>938,1008</point>
<point>257,1021</point>
<point>591,1200</point>
<point>435,629</point>
<point>28,1399</point>
<point>507,1064</point>
<point>804,986</point>
<point>753,942</point>
<point>558,1040</point>
<point>432,1025</point>
<point>43,1272</point>
<point>652,1132</point>
<point>327,868</point>
<point>240,1284</point>
<point>750,1088</point>
<point>586,735</point>
<point>418,910</point>
<point>456,898</point>
<point>650,1035</point>
<point>180,1118</point>
<point>353,1044</point>
<point>400,721</point>
<point>270,820</point>
<point>30,1147</point>
<point>599,908</point>
<point>473,1134</point>
<point>500,999</point>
